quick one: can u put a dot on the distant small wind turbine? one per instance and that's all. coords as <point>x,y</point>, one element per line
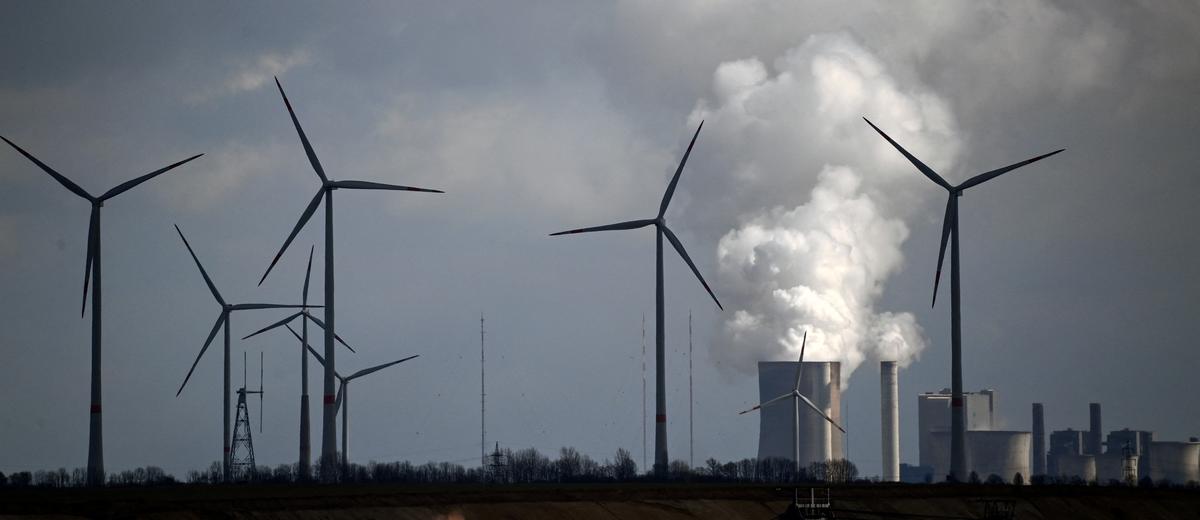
<point>222,319</point>
<point>343,396</point>
<point>305,464</point>
<point>95,466</point>
<point>660,224</point>
<point>797,397</point>
<point>958,425</point>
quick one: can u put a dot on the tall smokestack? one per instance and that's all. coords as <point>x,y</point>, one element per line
<point>1094,446</point>
<point>890,420</point>
<point>1039,440</point>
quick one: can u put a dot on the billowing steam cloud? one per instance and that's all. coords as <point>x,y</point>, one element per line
<point>815,256</point>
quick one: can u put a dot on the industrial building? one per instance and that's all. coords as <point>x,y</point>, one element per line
<point>933,416</point>
<point>822,383</point>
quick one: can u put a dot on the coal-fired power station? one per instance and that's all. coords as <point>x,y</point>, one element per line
<point>819,441</point>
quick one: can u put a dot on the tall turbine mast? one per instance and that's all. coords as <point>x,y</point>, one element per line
<point>482,400</point>
<point>91,270</point>
<point>958,425</point>
<point>325,192</point>
<point>643,391</point>
<point>691,401</point>
<point>660,333</point>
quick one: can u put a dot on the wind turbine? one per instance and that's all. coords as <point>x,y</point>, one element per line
<point>222,319</point>
<point>958,428</point>
<point>660,224</point>
<point>305,463</point>
<point>95,468</point>
<point>343,396</point>
<point>328,433</point>
<point>797,397</point>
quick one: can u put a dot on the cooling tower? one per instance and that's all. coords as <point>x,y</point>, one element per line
<point>821,383</point>
<point>890,420</point>
<point>1039,440</point>
<point>1072,466</point>
<point>992,452</point>
<point>1174,461</point>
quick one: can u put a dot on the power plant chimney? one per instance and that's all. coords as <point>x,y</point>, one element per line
<point>890,420</point>
<point>1039,440</point>
<point>1094,442</point>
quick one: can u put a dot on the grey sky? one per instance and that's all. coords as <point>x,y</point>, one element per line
<point>1080,275</point>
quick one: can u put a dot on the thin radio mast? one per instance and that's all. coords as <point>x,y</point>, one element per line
<point>483,399</point>
<point>643,390</point>
<point>691,400</point>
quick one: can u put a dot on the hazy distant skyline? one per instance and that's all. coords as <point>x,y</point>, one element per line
<point>1080,275</point>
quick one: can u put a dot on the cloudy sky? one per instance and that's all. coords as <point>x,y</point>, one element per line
<point>1080,273</point>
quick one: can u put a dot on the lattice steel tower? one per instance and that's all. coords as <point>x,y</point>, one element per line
<point>241,452</point>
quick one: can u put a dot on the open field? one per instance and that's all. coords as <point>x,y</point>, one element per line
<point>588,501</point>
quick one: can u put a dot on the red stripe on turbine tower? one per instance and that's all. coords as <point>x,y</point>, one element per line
<point>956,401</point>
<point>660,418</point>
<point>329,399</point>
<point>95,408</point>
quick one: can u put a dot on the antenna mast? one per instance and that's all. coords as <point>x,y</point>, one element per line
<point>482,401</point>
<point>643,391</point>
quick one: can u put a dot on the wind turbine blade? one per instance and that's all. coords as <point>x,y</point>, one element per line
<point>257,306</point>
<point>308,149</point>
<point>307,274</point>
<point>127,185</point>
<point>207,342</point>
<point>679,247</point>
<point>377,368</point>
<point>766,404</point>
<point>273,325</point>
<point>632,224</point>
<point>365,185</point>
<point>800,364</point>
<point>337,403</point>
<point>666,200</point>
<point>211,287</point>
<point>820,411</point>
<point>987,176</point>
<point>57,176</point>
<point>947,226</point>
<point>933,176</point>
<point>320,358</point>
<point>93,235</point>
<point>308,213</point>
<point>335,336</point>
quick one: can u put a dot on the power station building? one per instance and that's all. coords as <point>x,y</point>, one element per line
<point>819,440</point>
<point>933,416</point>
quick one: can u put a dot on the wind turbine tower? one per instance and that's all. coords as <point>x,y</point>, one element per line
<point>797,398</point>
<point>958,425</point>
<point>227,310</point>
<point>325,192</point>
<point>91,270</point>
<point>660,336</point>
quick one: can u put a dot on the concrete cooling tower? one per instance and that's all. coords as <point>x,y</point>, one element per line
<point>821,383</point>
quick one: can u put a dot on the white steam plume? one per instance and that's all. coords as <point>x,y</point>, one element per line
<point>820,201</point>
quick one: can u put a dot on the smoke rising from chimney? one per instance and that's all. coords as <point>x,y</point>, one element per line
<point>820,202</point>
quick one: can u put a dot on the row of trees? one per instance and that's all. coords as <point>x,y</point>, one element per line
<point>524,466</point>
<point>61,478</point>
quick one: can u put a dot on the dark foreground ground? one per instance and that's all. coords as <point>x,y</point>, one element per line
<point>591,501</point>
